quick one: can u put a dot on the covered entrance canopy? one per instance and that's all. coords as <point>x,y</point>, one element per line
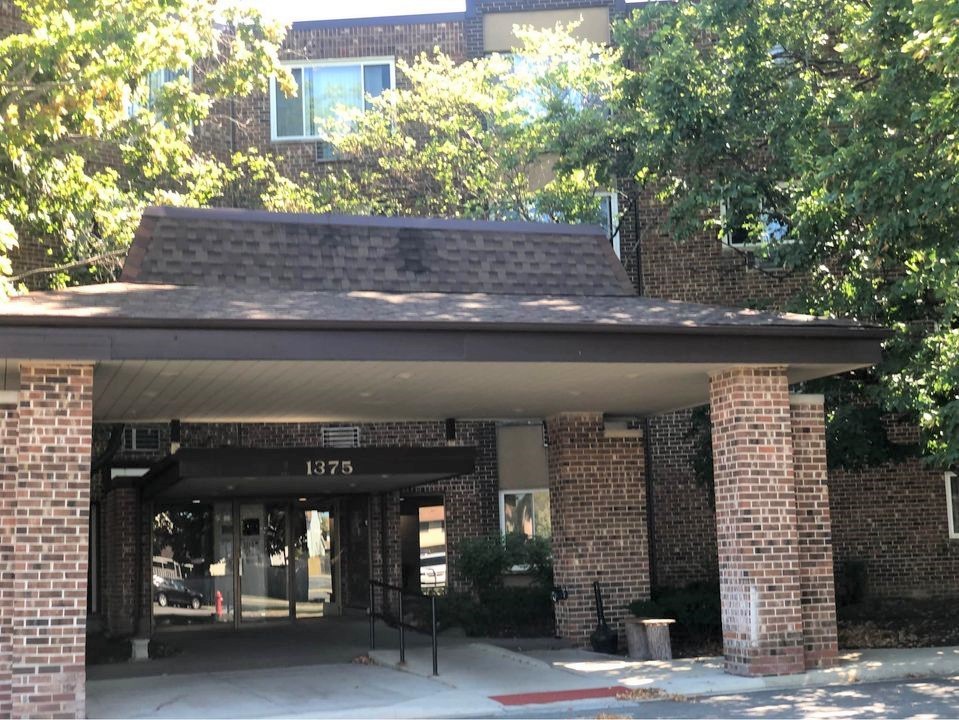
<point>248,472</point>
<point>229,315</point>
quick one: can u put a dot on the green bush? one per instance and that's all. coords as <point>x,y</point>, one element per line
<point>508,612</point>
<point>484,561</point>
<point>490,609</point>
<point>851,583</point>
<point>695,608</point>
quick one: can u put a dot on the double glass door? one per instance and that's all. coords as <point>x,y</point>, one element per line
<point>287,560</point>
<point>228,561</point>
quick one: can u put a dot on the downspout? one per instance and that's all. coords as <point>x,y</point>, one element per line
<point>640,289</point>
<point>650,502</point>
<point>647,425</point>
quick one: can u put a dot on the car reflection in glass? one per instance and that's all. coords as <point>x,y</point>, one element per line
<point>167,591</point>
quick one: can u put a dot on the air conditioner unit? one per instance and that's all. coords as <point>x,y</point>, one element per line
<point>326,152</point>
<point>621,426</point>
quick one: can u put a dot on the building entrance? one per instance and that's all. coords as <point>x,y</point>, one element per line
<point>245,561</point>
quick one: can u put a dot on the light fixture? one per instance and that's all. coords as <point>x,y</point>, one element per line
<point>196,502</point>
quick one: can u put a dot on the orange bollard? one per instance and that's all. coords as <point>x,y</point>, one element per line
<point>219,604</point>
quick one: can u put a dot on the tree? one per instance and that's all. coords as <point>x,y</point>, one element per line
<point>833,122</point>
<point>470,139</point>
<point>99,100</point>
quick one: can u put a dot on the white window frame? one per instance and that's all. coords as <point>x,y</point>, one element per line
<point>727,238</point>
<point>613,196</point>
<point>307,64</point>
<point>134,107</point>
<point>953,530</point>
<point>517,491</point>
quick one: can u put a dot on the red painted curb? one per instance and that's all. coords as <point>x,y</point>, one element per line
<point>540,698</point>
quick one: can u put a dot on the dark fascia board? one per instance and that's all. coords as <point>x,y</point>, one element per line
<point>290,462</point>
<point>413,223</point>
<point>829,346</point>
<point>372,21</point>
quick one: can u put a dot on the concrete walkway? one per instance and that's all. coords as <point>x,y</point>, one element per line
<point>476,679</point>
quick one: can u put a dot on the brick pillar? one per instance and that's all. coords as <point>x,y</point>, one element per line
<point>597,498</point>
<point>756,525</point>
<point>815,538</point>
<point>121,536</point>
<point>8,491</point>
<point>51,538</point>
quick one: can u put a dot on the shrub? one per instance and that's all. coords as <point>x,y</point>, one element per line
<point>851,583</point>
<point>695,608</point>
<point>491,609</point>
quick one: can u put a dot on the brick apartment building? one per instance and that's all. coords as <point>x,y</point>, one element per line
<point>458,416</point>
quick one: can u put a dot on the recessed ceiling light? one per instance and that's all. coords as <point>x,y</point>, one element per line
<point>366,394</point>
<point>404,375</point>
<point>302,499</point>
<point>196,502</point>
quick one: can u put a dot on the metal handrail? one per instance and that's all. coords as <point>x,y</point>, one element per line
<point>401,623</point>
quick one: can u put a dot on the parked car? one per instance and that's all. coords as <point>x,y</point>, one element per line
<point>168,591</point>
<point>433,570</point>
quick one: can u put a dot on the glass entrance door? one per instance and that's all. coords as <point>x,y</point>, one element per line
<point>264,562</point>
<point>315,560</point>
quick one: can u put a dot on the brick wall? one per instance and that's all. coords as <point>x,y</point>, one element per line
<point>8,499</point>
<point>684,519</point>
<point>50,546</point>
<point>808,419</point>
<point>756,522</point>
<point>120,560</point>
<point>598,512</point>
<point>893,518</point>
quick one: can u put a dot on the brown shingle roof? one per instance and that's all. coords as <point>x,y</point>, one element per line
<point>150,304</point>
<point>321,253</point>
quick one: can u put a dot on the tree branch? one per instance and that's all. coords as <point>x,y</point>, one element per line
<point>67,266</point>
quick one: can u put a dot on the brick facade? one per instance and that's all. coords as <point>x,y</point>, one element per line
<point>51,513</point>
<point>818,596</point>
<point>8,499</point>
<point>772,525</point>
<point>120,560</point>
<point>598,511</point>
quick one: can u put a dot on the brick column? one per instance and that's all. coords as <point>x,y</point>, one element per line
<point>815,538</point>
<point>756,524</point>
<point>597,497</point>
<point>51,538</point>
<point>121,536</point>
<point>8,491</point>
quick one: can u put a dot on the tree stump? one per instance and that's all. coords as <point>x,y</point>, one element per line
<point>636,642</point>
<point>657,638</point>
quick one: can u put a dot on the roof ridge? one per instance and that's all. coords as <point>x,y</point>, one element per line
<point>377,221</point>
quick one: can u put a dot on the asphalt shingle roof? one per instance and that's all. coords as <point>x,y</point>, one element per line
<point>241,248</point>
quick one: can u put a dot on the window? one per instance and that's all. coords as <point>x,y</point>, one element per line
<point>322,89</point>
<point>608,218</point>
<point>952,503</point>
<point>154,82</point>
<point>525,512</point>
<point>739,223</point>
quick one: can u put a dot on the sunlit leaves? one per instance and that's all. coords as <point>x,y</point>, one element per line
<point>86,142</point>
<point>843,117</point>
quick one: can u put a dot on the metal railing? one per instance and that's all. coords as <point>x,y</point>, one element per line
<point>401,620</point>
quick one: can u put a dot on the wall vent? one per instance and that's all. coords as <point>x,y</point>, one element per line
<point>142,439</point>
<point>622,427</point>
<point>340,436</point>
